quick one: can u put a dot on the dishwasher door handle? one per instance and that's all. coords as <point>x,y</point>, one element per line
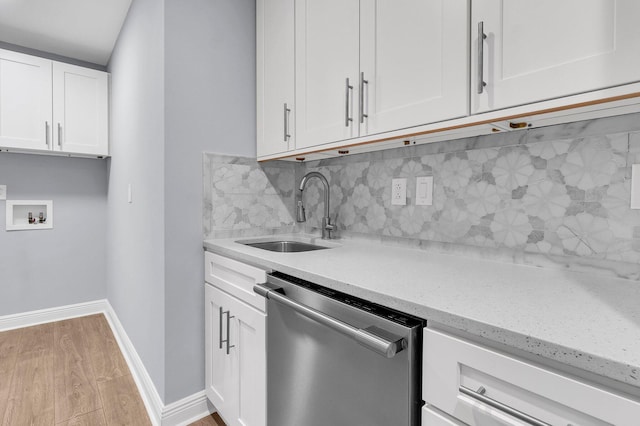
<point>368,339</point>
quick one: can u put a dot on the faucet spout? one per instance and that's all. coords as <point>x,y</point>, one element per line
<point>327,226</point>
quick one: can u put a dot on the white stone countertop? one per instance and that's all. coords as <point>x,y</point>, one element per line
<point>580,319</point>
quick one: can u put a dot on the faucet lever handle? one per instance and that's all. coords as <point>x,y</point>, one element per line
<point>300,214</point>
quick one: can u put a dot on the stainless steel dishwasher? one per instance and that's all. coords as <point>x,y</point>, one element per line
<point>334,359</point>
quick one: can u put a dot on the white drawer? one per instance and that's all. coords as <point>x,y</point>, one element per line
<point>450,363</point>
<point>236,278</point>
<point>434,417</point>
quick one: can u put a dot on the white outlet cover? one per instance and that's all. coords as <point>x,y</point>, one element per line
<point>3,192</point>
<point>424,191</point>
<point>399,192</point>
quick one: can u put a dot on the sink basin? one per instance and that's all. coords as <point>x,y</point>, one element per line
<point>284,246</point>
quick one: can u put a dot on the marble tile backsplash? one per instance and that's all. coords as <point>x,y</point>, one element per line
<point>560,191</point>
<point>244,198</point>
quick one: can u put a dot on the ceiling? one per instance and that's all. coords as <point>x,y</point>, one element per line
<point>86,30</point>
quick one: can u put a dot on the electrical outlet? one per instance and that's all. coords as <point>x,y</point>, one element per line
<point>399,192</point>
<point>424,191</point>
<point>129,194</point>
<point>3,192</point>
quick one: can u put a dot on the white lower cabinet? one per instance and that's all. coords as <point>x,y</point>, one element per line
<point>235,344</point>
<point>480,386</point>
<point>434,417</point>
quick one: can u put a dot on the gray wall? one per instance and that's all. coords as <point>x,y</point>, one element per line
<point>183,82</point>
<point>65,265</point>
<point>209,106</point>
<point>135,243</point>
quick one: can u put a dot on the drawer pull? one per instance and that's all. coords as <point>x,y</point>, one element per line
<point>479,396</point>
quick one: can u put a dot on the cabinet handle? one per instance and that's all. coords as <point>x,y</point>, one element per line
<point>229,316</point>
<point>481,37</point>
<point>362,83</point>
<point>347,117</point>
<point>479,396</point>
<point>387,346</point>
<point>220,324</point>
<point>287,112</point>
<point>59,135</point>
<point>46,132</point>
<point>221,340</point>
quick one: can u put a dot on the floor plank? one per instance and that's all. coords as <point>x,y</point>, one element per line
<point>38,338</point>
<point>106,358</point>
<point>95,418</point>
<point>31,395</point>
<point>122,402</point>
<point>76,390</point>
<point>212,420</point>
<point>47,375</point>
<point>9,342</point>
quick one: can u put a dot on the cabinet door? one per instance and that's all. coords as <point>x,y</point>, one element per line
<point>414,56</point>
<point>25,101</point>
<point>275,76</point>
<point>537,50</point>
<point>249,341</point>
<point>220,367</point>
<point>327,54</point>
<point>235,382</point>
<point>80,111</point>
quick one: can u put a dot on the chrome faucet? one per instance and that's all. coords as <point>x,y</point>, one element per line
<point>327,227</point>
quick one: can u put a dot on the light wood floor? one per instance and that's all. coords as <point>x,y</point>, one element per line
<point>212,420</point>
<point>69,373</point>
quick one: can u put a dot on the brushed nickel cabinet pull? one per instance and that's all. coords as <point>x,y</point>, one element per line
<point>347,116</point>
<point>59,135</point>
<point>362,83</point>
<point>220,328</point>
<point>479,395</point>
<point>227,340</point>
<point>481,37</point>
<point>287,111</point>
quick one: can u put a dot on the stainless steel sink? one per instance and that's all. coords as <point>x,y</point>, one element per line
<point>284,246</point>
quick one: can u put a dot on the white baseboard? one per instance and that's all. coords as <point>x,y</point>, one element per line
<point>42,316</point>
<point>186,410</point>
<point>147,389</point>
<point>179,413</point>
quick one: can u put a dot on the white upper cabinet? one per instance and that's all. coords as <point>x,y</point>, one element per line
<point>276,110</point>
<point>52,107</point>
<point>327,70</point>
<point>538,50</point>
<point>25,101</point>
<point>371,66</point>
<point>80,110</point>
<point>414,59</point>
